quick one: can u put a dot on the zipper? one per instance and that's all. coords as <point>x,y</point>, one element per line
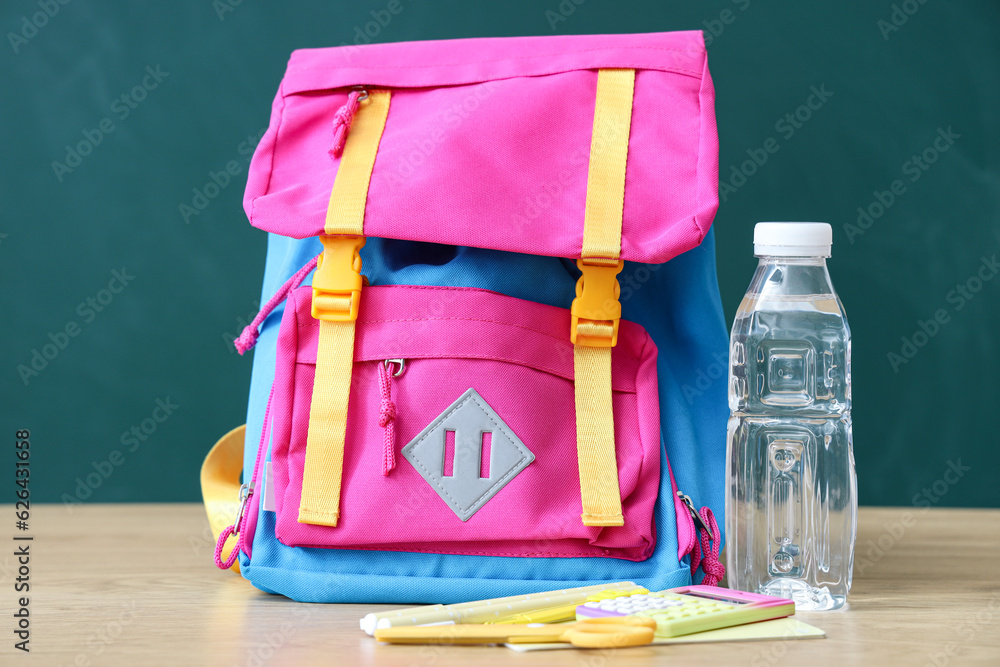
<point>698,523</point>
<point>245,495</point>
<point>261,446</point>
<point>686,517</point>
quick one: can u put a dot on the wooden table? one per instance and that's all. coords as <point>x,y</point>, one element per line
<point>135,585</point>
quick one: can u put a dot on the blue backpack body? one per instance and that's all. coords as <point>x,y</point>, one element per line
<point>679,306</point>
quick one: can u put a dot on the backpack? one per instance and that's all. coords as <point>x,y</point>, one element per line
<point>485,363</point>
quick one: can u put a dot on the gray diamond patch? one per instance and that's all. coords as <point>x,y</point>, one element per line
<point>471,464</point>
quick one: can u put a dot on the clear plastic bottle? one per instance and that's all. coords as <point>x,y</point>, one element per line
<point>791,504</point>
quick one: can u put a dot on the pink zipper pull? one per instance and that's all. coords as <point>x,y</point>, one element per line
<point>343,118</point>
<point>248,338</point>
<point>387,411</point>
<point>706,544</point>
<point>239,526</point>
<point>236,529</point>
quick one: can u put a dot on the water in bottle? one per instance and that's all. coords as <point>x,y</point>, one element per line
<point>791,504</point>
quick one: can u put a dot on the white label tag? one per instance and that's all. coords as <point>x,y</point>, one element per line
<point>268,502</point>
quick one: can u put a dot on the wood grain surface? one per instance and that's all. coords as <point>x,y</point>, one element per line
<point>135,585</point>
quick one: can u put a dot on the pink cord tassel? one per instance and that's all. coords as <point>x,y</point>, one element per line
<point>342,122</point>
<point>708,546</point>
<point>248,338</point>
<point>386,417</point>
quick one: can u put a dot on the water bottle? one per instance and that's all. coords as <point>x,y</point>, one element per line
<point>791,503</point>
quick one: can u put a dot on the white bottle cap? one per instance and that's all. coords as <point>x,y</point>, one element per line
<point>792,239</point>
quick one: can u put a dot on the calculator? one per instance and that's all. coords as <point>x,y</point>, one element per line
<point>690,609</point>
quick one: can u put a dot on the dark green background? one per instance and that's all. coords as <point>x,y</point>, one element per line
<point>163,336</point>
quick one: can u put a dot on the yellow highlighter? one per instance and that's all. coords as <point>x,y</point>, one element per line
<point>567,612</point>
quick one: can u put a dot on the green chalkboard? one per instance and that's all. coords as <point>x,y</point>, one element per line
<point>126,261</point>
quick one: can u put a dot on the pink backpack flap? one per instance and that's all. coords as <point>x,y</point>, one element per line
<point>487,142</point>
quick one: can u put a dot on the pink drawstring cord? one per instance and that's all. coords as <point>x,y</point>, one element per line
<point>342,121</point>
<point>386,417</point>
<point>714,569</point>
<point>248,338</point>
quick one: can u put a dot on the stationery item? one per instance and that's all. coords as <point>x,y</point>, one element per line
<point>482,352</point>
<point>497,608</point>
<point>567,612</point>
<point>690,609</point>
<point>783,629</point>
<point>591,633</point>
<point>483,613</point>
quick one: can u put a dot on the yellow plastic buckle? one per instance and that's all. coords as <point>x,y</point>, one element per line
<point>337,281</point>
<point>596,310</point>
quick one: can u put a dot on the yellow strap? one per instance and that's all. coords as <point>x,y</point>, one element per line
<point>602,242</point>
<point>324,460</point>
<point>345,213</point>
<point>324,463</point>
<point>602,223</point>
<point>595,437</point>
<point>220,485</point>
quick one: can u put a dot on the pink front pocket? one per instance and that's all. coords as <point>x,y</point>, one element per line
<point>485,429</point>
